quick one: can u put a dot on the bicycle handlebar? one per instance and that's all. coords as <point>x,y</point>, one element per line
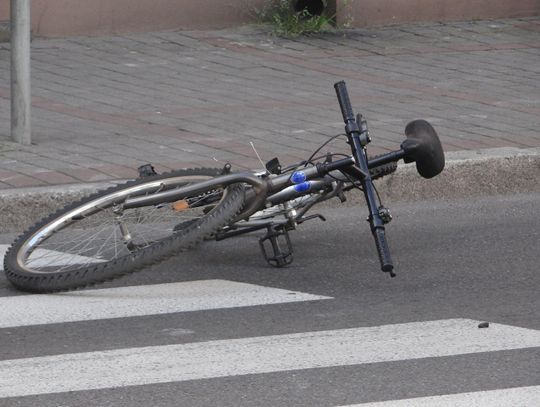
<point>375,220</point>
<point>344,101</point>
<point>384,251</point>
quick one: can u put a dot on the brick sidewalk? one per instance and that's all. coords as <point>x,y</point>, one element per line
<point>103,106</point>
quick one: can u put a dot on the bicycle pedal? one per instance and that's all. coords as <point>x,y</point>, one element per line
<point>280,246</point>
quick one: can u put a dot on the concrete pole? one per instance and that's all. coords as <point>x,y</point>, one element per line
<point>20,71</point>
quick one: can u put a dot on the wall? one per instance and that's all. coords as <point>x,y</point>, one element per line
<point>383,12</point>
<point>58,18</point>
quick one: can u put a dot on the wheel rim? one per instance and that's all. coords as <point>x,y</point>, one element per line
<point>99,232</point>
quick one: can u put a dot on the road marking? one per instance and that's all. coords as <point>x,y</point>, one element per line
<point>133,301</point>
<point>3,250</point>
<point>223,358</point>
<point>514,397</point>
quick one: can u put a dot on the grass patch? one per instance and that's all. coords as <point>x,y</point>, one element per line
<point>288,22</point>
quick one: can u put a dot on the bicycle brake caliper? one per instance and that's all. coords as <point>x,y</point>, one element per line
<point>385,214</point>
<point>226,169</point>
<point>146,170</point>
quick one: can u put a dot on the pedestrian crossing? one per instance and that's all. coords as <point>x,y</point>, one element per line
<point>513,397</point>
<point>238,358</point>
<point>196,361</point>
<point>3,250</point>
<point>125,302</point>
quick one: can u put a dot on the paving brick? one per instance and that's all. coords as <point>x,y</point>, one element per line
<point>4,175</point>
<point>117,171</point>
<point>54,178</point>
<point>22,181</point>
<point>88,175</point>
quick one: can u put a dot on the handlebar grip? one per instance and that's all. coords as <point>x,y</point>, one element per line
<point>384,251</point>
<point>344,101</point>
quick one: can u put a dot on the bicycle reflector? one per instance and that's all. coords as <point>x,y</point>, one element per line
<point>180,206</point>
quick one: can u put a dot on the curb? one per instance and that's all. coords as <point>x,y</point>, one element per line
<point>467,174</point>
<point>5,31</point>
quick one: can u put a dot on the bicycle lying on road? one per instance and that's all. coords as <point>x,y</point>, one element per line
<point>139,223</point>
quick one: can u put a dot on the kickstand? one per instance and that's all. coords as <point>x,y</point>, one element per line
<point>280,245</point>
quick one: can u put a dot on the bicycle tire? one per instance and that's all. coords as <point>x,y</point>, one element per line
<point>382,170</point>
<point>84,265</point>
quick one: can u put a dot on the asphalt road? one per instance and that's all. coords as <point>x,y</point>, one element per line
<point>363,338</point>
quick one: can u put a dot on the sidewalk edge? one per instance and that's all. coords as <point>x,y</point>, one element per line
<point>467,174</point>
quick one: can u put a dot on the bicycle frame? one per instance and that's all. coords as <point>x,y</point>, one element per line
<point>263,188</point>
<point>266,189</point>
<point>102,238</point>
<point>274,189</point>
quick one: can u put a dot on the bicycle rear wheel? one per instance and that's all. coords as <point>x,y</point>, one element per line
<point>96,239</point>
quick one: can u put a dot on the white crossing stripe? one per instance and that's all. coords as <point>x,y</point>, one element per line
<point>3,250</point>
<point>513,397</point>
<point>223,358</point>
<point>133,301</point>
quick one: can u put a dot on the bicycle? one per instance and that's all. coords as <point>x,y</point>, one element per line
<point>139,223</point>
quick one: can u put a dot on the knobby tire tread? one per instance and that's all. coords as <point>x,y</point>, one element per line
<point>382,170</point>
<point>99,273</point>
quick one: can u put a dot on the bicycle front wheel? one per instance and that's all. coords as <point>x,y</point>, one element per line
<point>96,239</point>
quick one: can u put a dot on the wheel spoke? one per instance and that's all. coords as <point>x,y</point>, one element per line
<point>90,238</point>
